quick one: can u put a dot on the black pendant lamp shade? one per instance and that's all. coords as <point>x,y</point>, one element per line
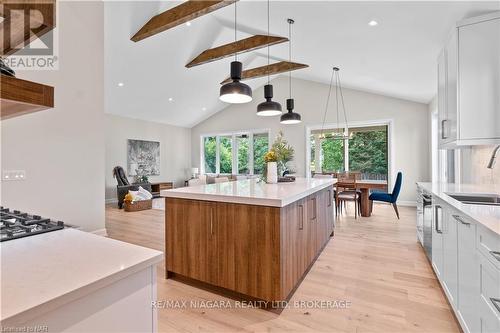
<point>290,117</point>
<point>235,92</point>
<point>269,107</point>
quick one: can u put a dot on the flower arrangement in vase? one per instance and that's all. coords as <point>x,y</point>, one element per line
<point>271,169</point>
<point>277,160</point>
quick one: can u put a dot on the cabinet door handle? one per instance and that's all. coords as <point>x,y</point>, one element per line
<point>314,209</point>
<point>459,219</point>
<point>495,254</point>
<point>443,128</point>
<point>329,198</point>
<point>496,303</point>
<point>211,221</point>
<point>436,225</point>
<point>301,225</point>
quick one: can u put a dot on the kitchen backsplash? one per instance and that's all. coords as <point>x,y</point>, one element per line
<point>479,157</point>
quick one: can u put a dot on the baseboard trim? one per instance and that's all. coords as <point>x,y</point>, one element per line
<point>111,201</point>
<point>407,203</point>
<point>100,232</point>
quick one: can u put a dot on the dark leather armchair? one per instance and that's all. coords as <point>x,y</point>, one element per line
<point>124,185</point>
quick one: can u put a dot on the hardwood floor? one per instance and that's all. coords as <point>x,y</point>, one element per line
<point>375,264</point>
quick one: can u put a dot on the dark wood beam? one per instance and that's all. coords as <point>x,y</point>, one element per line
<point>276,68</point>
<point>180,14</point>
<point>240,46</point>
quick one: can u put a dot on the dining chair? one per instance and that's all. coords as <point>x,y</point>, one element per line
<point>389,197</point>
<point>347,190</point>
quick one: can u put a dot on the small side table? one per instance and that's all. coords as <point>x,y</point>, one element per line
<point>159,186</point>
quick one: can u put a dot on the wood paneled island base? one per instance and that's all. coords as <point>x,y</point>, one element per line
<point>247,251</point>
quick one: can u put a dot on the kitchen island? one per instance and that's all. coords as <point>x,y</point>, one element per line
<point>246,238</point>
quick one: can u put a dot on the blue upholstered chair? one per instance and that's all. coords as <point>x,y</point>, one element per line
<point>389,197</point>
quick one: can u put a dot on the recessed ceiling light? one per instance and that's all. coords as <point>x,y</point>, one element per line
<point>203,109</point>
<point>188,23</point>
<point>170,99</point>
<point>373,23</point>
<point>121,84</point>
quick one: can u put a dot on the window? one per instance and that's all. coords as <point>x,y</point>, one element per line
<point>260,148</point>
<point>366,152</point>
<point>225,154</point>
<point>243,154</point>
<point>210,151</point>
<point>235,153</point>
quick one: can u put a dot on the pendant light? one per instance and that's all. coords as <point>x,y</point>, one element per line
<point>290,117</point>
<point>269,107</point>
<point>339,96</point>
<point>235,92</point>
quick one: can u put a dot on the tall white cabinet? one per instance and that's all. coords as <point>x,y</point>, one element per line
<point>469,84</point>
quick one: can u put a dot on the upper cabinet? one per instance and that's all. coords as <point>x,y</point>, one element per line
<point>469,84</point>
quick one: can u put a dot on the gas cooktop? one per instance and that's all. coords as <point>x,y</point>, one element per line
<point>15,224</point>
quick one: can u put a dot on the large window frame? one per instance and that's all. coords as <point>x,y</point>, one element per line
<point>234,135</point>
<point>390,146</point>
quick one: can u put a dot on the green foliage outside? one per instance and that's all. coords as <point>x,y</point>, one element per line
<point>243,155</point>
<point>368,152</point>
<point>226,159</point>
<point>333,155</point>
<point>260,148</point>
<point>210,144</point>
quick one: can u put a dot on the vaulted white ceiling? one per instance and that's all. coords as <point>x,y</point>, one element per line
<point>148,79</point>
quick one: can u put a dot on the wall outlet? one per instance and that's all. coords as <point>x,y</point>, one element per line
<point>12,175</point>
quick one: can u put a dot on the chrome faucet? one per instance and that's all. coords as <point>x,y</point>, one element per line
<point>491,163</point>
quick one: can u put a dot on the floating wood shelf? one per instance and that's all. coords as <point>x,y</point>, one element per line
<point>180,14</point>
<point>19,97</point>
<point>240,46</point>
<point>276,68</point>
<point>15,33</point>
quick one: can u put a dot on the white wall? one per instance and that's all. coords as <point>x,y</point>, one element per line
<point>62,149</point>
<point>410,119</point>
<point>175,149</point>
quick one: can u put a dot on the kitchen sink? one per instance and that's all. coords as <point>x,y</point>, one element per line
<point>477,198</point>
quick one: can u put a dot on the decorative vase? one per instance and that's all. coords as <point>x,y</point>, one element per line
<point>272,173</point>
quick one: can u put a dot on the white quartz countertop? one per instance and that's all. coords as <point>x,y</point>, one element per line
<point>42,272</point>
<point>252,191</point>
<point>487,215</point>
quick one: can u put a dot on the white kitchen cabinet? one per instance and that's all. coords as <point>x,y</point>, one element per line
<point>469,82</point>
<point>468,272</point>
<point>489,307</point>
<point>437,239</point>
<point>450,260</point>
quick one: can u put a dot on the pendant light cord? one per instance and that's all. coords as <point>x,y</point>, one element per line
<point>235,29</point>
<point>268,36</point>
<point>343,104</point>
<point>327,103</point>
<point>290,22</point>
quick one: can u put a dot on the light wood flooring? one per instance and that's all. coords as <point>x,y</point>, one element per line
<point>374,263</point>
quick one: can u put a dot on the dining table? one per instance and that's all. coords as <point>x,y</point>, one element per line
<point>365,186</point>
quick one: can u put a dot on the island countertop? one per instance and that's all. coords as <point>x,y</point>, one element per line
<point>252,191</point>
<point>41,273</point>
